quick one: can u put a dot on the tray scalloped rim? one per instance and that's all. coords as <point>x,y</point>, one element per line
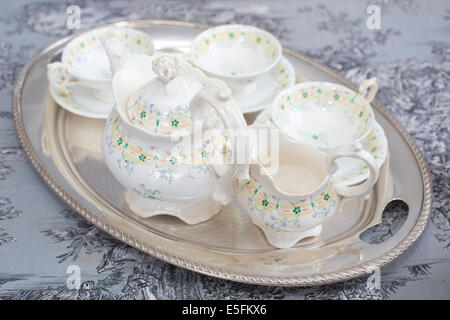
<point>206,269</point>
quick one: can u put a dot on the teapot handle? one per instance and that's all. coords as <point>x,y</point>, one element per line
<point>231,115</point>
<point>218,95</point>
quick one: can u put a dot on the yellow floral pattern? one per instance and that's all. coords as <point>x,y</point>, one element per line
<point>133,41</point>
<point>155,158</point>
<point>271,204</point>
<point>349,101</point>
<point>250,37</point>
<point>148,116</point>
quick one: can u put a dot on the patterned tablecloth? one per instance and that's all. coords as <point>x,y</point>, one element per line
<point>40,237</point>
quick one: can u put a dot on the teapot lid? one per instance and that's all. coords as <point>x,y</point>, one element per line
<point>162,105</point>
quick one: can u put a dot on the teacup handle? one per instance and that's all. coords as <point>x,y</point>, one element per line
<point>361,154</point>
<point>368,89</point>
<point>59,77</point>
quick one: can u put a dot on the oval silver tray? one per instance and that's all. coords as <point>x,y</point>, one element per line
<point>65,149</point>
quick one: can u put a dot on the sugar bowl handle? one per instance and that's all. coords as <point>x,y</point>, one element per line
<point>368,89</point>
<point>361,154</point>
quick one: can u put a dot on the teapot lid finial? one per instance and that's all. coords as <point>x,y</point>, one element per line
<point>165,67</point>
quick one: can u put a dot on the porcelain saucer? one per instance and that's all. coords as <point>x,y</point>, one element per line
<point>81,101</point>
<point>351,171</point>
<point>269,85</point>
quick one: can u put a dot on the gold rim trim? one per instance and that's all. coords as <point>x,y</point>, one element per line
<point>206,269</point>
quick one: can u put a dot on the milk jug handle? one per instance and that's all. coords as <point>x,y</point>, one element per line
<point>361,154</point>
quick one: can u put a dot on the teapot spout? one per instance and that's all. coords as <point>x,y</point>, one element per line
<point>115,50</point>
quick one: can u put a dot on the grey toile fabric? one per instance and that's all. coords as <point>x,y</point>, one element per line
<point>40,237</point>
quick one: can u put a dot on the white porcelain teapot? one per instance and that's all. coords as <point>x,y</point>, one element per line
<point>148,141</point>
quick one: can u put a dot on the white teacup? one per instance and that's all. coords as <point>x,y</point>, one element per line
<point>236,54</point>
<point>84,60</point>
<point>326,115</point>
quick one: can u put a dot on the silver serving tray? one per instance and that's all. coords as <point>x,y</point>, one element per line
<point>65,150</point>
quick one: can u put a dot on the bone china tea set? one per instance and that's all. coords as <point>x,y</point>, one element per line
<point>327,145</point>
